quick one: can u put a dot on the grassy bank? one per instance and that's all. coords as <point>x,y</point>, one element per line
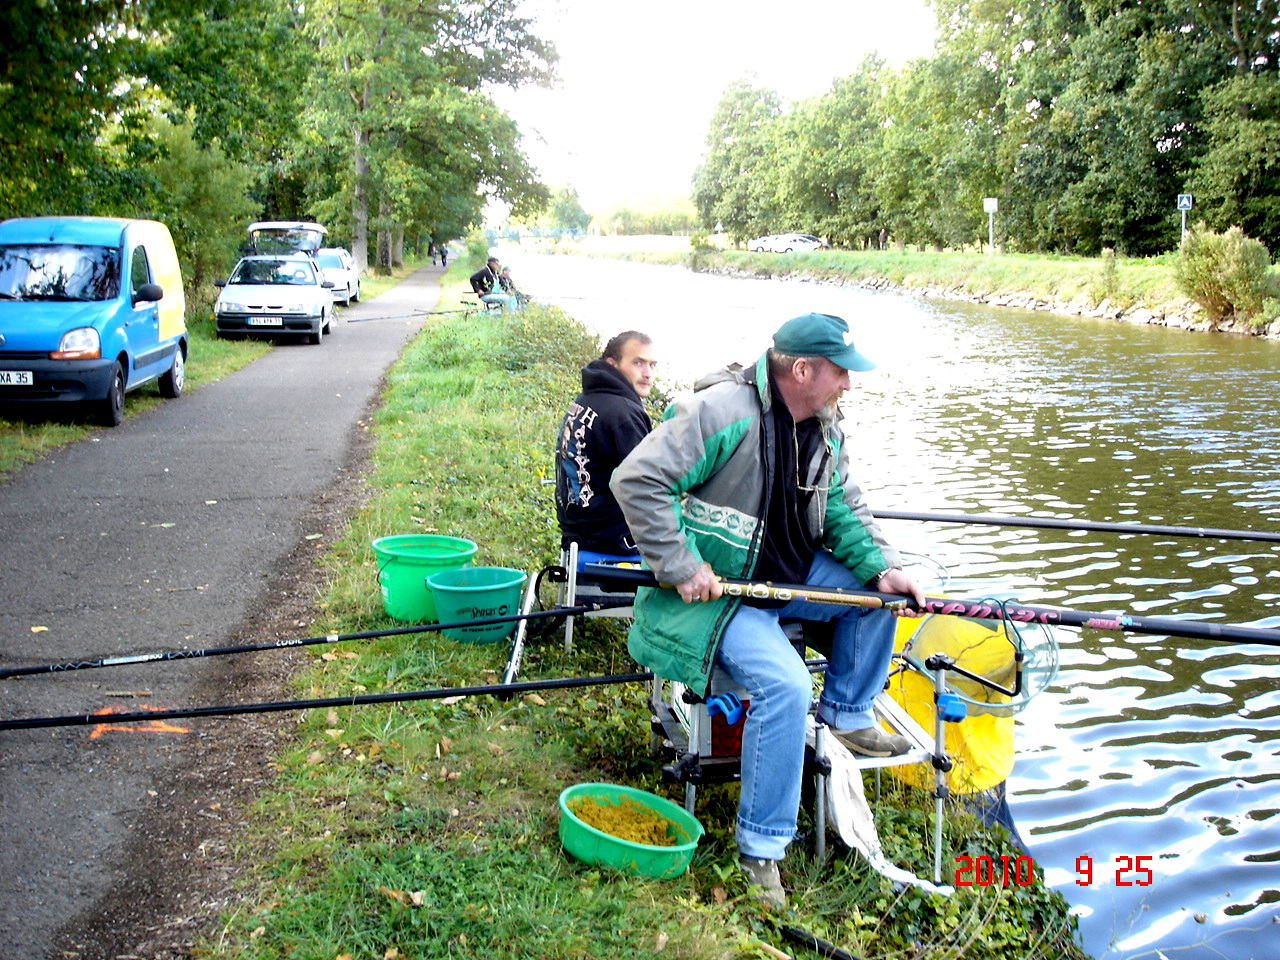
<point>428,830</point>
<point>1087,282</point>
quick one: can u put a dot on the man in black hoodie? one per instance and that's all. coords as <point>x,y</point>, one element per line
<point>600,428</point>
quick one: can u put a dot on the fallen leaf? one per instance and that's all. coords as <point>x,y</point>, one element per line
<point>331,717</point>
<point>718,894</point>
<point>39,629</point>
<point>391,954</point>
<point>450,701</point>
<point>536,700</point>
<point>315,756</point>
<point>210,503</point>
<point>495,749</point>
<point>334,732</point>
<point>313,536</point>
<point>257,933</point>
<point>661,941</point>
<point>446,744</point>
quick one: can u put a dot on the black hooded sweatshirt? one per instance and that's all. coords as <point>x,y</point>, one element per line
<point>599,429</point>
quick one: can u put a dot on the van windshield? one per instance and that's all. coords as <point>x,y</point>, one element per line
<point>58,271</point>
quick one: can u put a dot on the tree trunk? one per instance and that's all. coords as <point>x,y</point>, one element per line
<point>397,246</point>
<point>360,202</point>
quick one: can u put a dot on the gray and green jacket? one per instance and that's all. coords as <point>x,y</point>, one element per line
<point>693,490</point>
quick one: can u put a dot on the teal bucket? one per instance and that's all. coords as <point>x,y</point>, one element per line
<point>405,561</point>
<point>477,593</point>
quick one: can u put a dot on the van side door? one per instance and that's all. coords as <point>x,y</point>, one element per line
<point>143,321</point>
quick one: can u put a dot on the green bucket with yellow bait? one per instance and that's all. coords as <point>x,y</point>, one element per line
<point>595,846</point>
<point>477,593</point>
<point>404,563</point>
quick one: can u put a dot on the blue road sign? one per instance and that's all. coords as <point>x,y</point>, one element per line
<point>1185,201</point>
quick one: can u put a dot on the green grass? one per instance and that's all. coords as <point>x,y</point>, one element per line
<point>429,830</point>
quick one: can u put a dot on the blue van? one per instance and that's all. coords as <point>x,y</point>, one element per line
<point>90,308</point>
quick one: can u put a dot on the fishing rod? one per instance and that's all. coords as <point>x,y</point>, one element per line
<point>503,691</point>
<point>1103,526</point>
<point>403,316</point>
<point>606,575</point>
<point>302,641</point>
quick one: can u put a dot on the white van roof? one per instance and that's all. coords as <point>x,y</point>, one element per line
<point>287,225</point>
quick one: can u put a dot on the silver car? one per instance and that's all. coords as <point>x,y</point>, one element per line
<point>275,295</point>
<point>785,243</point>
<point>339,266</point>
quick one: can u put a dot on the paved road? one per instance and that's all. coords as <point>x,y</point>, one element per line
<point>159,534</point>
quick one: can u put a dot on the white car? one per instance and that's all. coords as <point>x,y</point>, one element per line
<point>338,266</point>
<point>785,243</point>
<point>273,295</point>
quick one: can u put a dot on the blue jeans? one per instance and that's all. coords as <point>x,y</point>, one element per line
<point>509,303</point>
<point>755,653</point>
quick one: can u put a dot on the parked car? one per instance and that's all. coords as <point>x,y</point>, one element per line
<point>786,243</point>
<point>90,308</point>
<point>285,236</point>
<point>339,266</point>
<point>273,295</point>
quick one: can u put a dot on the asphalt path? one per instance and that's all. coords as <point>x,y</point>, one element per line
<point>159,534</point>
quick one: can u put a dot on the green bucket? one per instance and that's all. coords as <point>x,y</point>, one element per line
<point>593,846</point>
<point>405,561</point>
<point>477,593</point>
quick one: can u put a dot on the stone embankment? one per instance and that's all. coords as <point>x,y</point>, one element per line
<point>1183,316</point>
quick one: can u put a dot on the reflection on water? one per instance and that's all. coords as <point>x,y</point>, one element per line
<point>1159,748</point>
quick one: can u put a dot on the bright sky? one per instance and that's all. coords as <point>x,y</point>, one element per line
<point>640,80</point>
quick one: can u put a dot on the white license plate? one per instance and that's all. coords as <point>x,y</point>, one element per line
<point>266,321</point>
<point>17,378</point>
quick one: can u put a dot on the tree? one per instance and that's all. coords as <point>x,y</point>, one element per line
<point>398,87</point>
<point>202,197</point>
<point>734,185</point>
<point>565,213</point>
<point>1237,180</point>
<point>828,145</point>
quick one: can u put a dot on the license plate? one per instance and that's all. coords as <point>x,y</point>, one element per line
<point>17,378</point>
<point>266,321</point>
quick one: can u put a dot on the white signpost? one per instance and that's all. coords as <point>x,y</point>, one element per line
<point>991,204</point>
<point>1185,202</point>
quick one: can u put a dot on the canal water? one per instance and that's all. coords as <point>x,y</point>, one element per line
<point>1159,748</point>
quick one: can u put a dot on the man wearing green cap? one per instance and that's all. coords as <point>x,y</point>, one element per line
<point>749,478</point>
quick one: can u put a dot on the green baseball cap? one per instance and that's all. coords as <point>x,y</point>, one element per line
<point>820,335</point>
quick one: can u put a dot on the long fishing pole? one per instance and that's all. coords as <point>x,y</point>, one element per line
<point>503,691</point>
<point>1211,533</point>
<point>299,642</point>
<point>975,609</point>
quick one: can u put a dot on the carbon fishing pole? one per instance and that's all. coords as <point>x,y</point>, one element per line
<point>301,642</point>
<point>974,609</point>
<point>1210,533</point>
<point>502,690</point>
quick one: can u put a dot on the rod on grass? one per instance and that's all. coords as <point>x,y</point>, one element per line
<point>296,642</point>
<point>503,691</point>
<point>1046,523</point>
<point>974,609</point>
